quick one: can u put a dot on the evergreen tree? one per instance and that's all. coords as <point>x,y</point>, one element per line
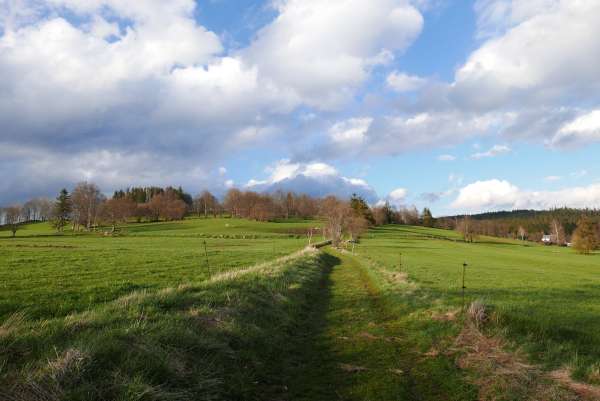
<point>585,238</point>
<point>428,220</point>
<point>62,210</point>
<point>361,208</point>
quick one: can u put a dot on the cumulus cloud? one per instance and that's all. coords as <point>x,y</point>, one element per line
<point>502,195</point>
<point>146,77</point>
<point>314,178</point>
<point>521,76</point>
<point>320,50</point>
<point>401,82</point>
<point>395,134</point>
<point>397,197</point>
<point>351,132</point>
<point>583,129</point>
<point>494,151</point>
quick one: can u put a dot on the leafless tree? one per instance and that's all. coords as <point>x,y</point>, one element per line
<point>558,232</point>
<point>118,210</point>
<point>465,227</point>
<point>206,203</point>
<point>336,214</point>
<point>87,200</point>
<point>233,202</point>
<point>13,217</point>
<point>167,206</point>
<point>522,233</point>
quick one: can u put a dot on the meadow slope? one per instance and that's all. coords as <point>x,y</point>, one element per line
<point>544,299</point>
<point>47,274</point>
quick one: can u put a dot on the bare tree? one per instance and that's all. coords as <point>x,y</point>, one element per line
<point>45,209</point>
<point>465,227</point>
<point>233,201</point>
<point>118,210</point>
<point>558,232</point>
<point>87,200</point>
<point>356,226</point>
<point>167,206</point>
<point>522,233</point>
<point>206,203</point>
<point>336,214</point>
<point>13,217</point>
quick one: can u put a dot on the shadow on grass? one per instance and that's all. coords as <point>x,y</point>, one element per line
<point>312,367</point>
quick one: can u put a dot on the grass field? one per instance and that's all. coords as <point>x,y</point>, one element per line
<point>137,317</point>
<point>547,299</point>
<point>47,275</point>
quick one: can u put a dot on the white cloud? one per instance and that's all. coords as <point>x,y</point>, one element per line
<point>496,150</point>
<point>553,178</point>
<point>530,61</point>
<point>286,170</point>
<point>321,50</point>
<point>401,82</point>
<point>494,17</point>
<point>314,178</point>
<point>499,194</point>
<point>583,129</point>
<point>446,158</point>
<point>487,195</point>
<point>146,76</point>
<point>397,197</point>
<point>222,171</point>
<point>351,132</point>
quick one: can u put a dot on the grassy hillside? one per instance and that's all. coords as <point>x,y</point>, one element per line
<point>545,298</point>
<point>50,275</point>
<point>227,338</point>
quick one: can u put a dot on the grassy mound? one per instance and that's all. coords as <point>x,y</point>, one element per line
<point>221,339</point>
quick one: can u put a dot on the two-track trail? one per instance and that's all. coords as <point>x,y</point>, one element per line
<point>355,345</point>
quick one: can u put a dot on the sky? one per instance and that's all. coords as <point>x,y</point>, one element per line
<point>460,106</point>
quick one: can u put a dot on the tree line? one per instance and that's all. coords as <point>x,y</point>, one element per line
<point>579,228</point>
<point>86,208</point>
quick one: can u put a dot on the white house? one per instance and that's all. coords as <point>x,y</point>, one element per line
<point>547,239</point>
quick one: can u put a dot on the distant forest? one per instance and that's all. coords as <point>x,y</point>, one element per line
<point>529,224</point>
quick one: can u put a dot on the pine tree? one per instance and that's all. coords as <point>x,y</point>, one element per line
<point>361,208</point>
<point>428,220</point>
<point>585,238</point>
<point>62,210</point>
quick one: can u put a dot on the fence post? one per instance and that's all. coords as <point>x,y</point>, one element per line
<point>463,284</point>
<point>207,262</point>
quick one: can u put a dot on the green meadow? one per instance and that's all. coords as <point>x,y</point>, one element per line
<point>48,275</point>
<point>545,298</point>
<point>142,316</point>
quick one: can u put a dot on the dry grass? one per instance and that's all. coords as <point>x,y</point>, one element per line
<point>502,375</point>
<point>12,324</point>
<point>448,316</point>
<point>352,368</point>
<point>69,363</point>
<point>585,391</point>
<point>478,313</point>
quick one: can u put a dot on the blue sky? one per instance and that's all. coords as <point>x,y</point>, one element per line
<point>458,106</point>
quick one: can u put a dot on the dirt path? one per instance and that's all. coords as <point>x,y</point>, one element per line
<point>355,346</point>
